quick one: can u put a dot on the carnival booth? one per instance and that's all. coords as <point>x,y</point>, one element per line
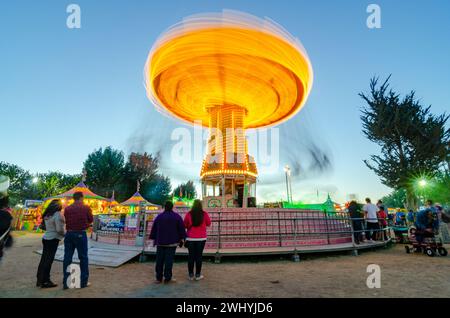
<point>114,206</point>
<point>133,204</point>
<point>97,203</point>
<point>182,203</point>
<point>28,216</point>
<point>123,222</point>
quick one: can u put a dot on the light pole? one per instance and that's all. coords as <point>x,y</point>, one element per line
<point>287,171</point>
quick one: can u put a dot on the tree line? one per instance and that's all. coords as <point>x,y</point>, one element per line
<point>107,172</point>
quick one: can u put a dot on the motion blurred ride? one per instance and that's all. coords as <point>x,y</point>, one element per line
<point>228,72</point>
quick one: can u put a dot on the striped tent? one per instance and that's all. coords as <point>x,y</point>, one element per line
<point>80,187</point>
<point>136,200</point>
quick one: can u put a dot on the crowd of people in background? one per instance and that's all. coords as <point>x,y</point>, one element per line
<point>370,222</point>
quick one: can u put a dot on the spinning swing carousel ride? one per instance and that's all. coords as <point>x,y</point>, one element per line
<point>228,72</point>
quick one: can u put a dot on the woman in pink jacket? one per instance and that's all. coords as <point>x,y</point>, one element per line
<point>196,222</point>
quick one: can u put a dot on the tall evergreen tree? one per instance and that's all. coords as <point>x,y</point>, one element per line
<point>413,141</point>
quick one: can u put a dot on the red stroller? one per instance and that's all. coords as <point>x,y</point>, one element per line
<point>429,245</point>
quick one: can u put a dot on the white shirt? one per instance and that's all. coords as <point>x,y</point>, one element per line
<point>371,210</point>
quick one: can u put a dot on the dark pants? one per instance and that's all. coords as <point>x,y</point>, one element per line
<point>195,257</point>
<point>47,258</point>
<point>374,227</point>
<point>164,262</point>
<point>357,228</point>
<point>421,235</point>
<point>76,240</point>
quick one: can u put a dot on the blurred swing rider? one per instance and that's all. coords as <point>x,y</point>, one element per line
<point>5,215</point>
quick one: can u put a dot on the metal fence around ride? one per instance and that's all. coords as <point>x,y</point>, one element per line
<point>253,228</point>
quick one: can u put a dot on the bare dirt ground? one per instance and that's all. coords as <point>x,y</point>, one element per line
<point>339,275</point>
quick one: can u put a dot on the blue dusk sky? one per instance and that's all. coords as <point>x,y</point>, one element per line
<point>65,92</point>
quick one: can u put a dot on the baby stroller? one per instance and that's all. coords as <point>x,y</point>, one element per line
<point>429,245</point>
<point>401,234</point>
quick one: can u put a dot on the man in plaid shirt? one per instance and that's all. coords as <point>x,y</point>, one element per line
<point>78,219</point>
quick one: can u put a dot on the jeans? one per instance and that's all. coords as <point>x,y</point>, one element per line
<point>47,258</point>
<point>195,256</point>
<point>374,227</point>
<point>164,262</point>
<point>76,240</point>
<point>357,228</point>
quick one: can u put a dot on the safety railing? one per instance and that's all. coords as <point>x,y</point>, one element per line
<point>252,228</point>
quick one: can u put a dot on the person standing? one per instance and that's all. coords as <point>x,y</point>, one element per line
<point>5,215</point>
<point>370,211</point>
<point>382,219</point>
<point>410,218</point>
<point>196,221</point>
<point>54,232</point>
<point>443,227</point>
<point>78,219</point>
<point>355,214</point>
<point>167,233</point>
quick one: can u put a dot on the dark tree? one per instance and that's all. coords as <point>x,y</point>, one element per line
<point>397,199</point>
<point>157,190</point>
<point>142,168</point>
<point>20,182</point>
<point>186,190</point>
<point>104,170</point>
<point>413,141</point>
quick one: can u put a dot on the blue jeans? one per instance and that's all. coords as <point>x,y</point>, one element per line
<point>76,240</point>
<point>164,262</point>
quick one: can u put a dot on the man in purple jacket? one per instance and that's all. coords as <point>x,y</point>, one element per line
<point>167,232</point>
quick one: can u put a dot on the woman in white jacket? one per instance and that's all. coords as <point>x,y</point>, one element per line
<point>55,230</point>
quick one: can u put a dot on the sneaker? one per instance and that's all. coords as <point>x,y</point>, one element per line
<point>48,284</point>
<point>197,278</point>
<point>157,281</point>
<point>191,277</point>
<point>172,280</point>
<point>87,285</point>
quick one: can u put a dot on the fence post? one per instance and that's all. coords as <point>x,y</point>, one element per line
<point>352,231</point>
<point>295,257</point>
<point>142,257</point>
<point>328,230</point>
<point>279,229</point>
<point>219,240</point>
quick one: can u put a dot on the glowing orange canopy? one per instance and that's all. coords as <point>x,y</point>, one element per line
<point>228,59</point>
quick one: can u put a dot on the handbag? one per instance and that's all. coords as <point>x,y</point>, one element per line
<point>42,225</point>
